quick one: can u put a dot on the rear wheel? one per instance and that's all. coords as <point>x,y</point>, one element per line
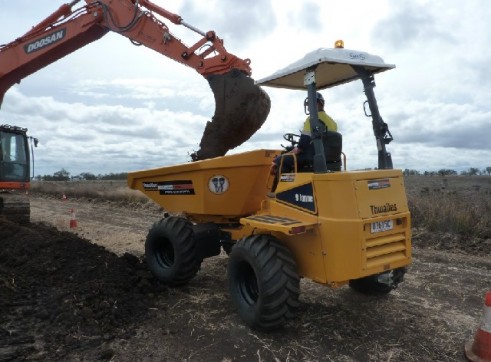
<point>170,251</point>
<point>263,281</point>
<point>378,284</point>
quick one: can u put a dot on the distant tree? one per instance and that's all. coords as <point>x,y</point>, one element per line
<point>408,172</point>
<point>446,172</point>
<point>488,170</point>
<point>113,176</point>
<point>88,176</point>
<point>62,175</point>
<point>473,171</point>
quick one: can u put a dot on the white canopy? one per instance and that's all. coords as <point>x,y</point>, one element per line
<point>333,68</point>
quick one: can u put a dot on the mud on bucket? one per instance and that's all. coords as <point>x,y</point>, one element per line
<point>241,107</point>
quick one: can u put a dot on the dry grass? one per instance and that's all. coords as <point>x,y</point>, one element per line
<point>116,191</point>
<point>459,205</point>
<point>453,204</point>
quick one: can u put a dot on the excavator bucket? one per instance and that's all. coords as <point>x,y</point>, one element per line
<point>241,109</point>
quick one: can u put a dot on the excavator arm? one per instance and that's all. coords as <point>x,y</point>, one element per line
<point>241,106</point>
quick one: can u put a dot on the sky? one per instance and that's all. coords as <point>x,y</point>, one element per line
<point>113,107</point>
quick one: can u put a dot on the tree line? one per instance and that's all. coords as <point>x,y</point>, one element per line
<point>64,175</point>
<point>472,171</point>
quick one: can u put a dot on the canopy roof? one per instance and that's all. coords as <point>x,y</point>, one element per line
<point>333,67</point>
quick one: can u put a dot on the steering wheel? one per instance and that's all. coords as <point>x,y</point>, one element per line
<point>292,138</point>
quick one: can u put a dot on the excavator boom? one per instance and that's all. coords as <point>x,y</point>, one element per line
<point>241,106</point>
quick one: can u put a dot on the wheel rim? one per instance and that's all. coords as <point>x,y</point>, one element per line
<point>247,284</point>
<point>165,254</point>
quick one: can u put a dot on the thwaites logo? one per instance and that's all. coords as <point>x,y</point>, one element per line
<point>151,186</point>
<point>175,187</point>
<point>380,209</point>
<point>45,41</point>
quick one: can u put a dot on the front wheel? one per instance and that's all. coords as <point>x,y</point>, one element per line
<point>170,251</point>
<point>263,280</point>
<point>379,284</point>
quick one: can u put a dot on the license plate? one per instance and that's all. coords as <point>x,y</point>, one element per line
<point>379,226</point>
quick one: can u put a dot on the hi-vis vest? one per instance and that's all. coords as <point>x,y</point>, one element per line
<point>324,118</point>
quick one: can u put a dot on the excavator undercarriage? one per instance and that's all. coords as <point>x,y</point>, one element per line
<point>15,206</point>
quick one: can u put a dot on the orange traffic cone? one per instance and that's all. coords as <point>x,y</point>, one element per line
<point>479,349</point>
<point>73,220</point>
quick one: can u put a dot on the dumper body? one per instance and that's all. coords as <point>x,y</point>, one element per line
<point>339,226</point>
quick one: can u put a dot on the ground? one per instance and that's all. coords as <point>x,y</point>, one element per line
<point>84,294</point>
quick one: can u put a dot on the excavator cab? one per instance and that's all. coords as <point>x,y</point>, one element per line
<point>14,154</point>
<point>14,173</point>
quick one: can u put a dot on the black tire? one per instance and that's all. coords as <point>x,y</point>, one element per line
<point>170,251</point>
<point>372,286</point>
<point>263,280</point>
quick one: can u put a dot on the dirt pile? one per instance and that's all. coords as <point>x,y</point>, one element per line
<point>60,294</point>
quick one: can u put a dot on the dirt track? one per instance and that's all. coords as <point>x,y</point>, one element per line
<point>64,298</point>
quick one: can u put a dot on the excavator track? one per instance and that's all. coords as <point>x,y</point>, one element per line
<point>15,207</point>
<point>241,109</point>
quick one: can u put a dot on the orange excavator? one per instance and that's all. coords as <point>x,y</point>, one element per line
<point>241,107</point>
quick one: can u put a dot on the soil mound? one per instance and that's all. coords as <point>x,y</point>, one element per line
<point>60,294</point>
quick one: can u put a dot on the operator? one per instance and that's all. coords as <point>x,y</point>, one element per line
<point>305,151</point>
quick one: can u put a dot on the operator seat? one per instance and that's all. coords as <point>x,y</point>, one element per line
<point>333,146</point>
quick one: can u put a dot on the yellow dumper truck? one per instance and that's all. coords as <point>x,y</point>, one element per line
<point>331,225</point>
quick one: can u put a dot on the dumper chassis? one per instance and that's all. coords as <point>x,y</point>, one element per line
<point>335,228</point>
